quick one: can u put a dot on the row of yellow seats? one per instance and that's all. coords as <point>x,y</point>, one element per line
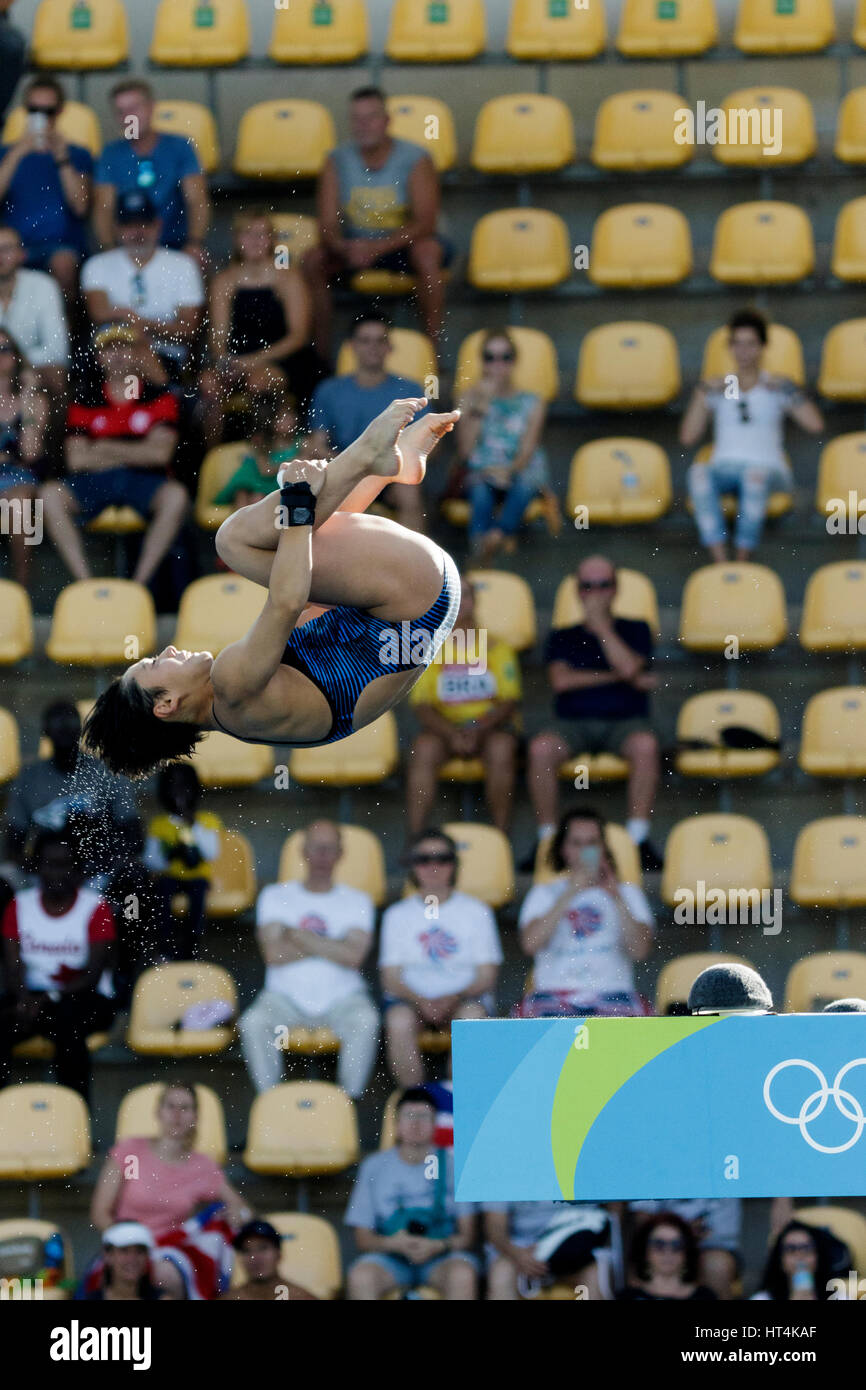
<point>811,982</point>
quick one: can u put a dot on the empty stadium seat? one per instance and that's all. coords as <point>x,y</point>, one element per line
<point>297,232</point>
<point>519,249</point>
<point>667,28</point>
<point>137,1118</point>
<point>849,242</point>
<point>162,996</point>
<point>218,467</point>
<point>536,368</point>
<point>842,474</point>
<point>834,608</point>
<point>436,31</point>
<point>16,623</point>
<point>635,598</point>
<point>833,740</point>
<point>850,143</point>
<point>640,246</point>
<point>232,889</point>
<point>200,33</point>
<point>310,1253</point>
<point>750,141</point>
<point>364,758</point>
<point>739,600</point>
<point>638,130</point>
<point>778,503</point>
<point>101,622</point>
<point>675,979</point>
<point>846,1225</point>
<point>859,34</point>
<point>724,852</point>
<point>216,611</point>
<point>486,866</point>
<point>505,607</point>
<point>555,30</point>
<point>42,1049</point>
<point>222,761</point>
<point>783,354</point>
<point>412,355</point>
<point>24,1229</point>
<point>197,123</point>
<point>77,123</point>
<point>301,1128</point>
<point>44,1133</point>
<point>625,853</point>
<point>362,864</point>
<point>79,34</point>
<point>595,767</point>
<point>829,868</point>
<point>820,978</point>
<point>628,366</point>
<point>523,134</point>
<point>620,481</point>
<point>762,243</point>
<point>843,362</point>
<point>784,26</point>
<point>428,122</point>
<point>284,140</point>
<point>704,716</point>
<point>323,31</point>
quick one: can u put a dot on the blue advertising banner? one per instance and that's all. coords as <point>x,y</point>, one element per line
<point>624,1108</point>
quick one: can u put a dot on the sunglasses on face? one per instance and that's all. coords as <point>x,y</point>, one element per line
<point>803,1249</point>
<point>7,347</point>
<point>42,110</point>
<point>432,858</point>
<point>586,586</point>
<point>498,356</point>
<point>660,1243</point>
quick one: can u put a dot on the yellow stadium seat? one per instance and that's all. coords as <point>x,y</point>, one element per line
<point>750,140</point>
<point>23,1228</point>
<point>705,715</point>
<point>536,368</point>
<point>42,1049</point>
<point>824,977</point>
<point>382,282</point>
<point>80,34</point>
<point>843,362</point>
<point>640,246</point>
<point>639,130</point>
<point>625,853</point>
<point>284,140</point>
<point>101,622</point>
<point>323,31</point>
<point>218,467</point>
<point>523,134</point>
<point>428,122</point>
<point>436,31</point>
<point>312,1042</point>
<point>44,1133</point>
<point>16,623</point>
<point>635,598</point>
<point>412,355</point>
<point>222,761</point>
<point>595,767</point>
<point>162,996</point>
<point>464,771</point>
<point>302,1128</point>
<point>842,475</point>
<point>232,888</point>
<point>783,355</point>
<point>829,868</point>
<point>504,605</point>
<point>297,232</point>
<point>628,366</point>
<point>778,503</point>
<point>200,33</point>
<point>739,600</point>
<point>117,521</point>
<point>847,1225</point>
<point>725,852</point>
<point>77,123</point>
<point>519,249</point>
<point>859,34</point>
<point>784,26</point>
<point>361,865</point>
<point>388,1132</point>
<point>850,144</point>
<point>197,123</point>
<point>371,755</point>
<point>834,608</point>
<point>667,28</point>
<point>486,866</point>
<point>555,31</point>
<point>137,1118</point>
<point>216,611</point>
<point>849,242</point>
<point>762,243</point>
<point>620,482</point>
<point>833,741</point>
<point>675,979</point>
<point>310,1253</point>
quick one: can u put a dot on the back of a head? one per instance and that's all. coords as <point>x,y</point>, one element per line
<point>724,988</point>
<point>845,1006</point>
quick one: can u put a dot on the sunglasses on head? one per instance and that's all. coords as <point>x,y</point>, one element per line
<point>587,585</point>
<point>443,858</point>
<point>498,356</point>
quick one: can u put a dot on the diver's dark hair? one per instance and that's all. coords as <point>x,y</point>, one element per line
<point>124,732</point>
<point>750,318</point>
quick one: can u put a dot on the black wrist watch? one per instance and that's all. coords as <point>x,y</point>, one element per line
<point>297,505</point>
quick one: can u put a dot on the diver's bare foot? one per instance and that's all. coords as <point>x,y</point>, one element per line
<point>382,458</point>
<point>419,440</point>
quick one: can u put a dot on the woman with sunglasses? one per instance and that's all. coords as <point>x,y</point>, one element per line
<point>802,1264</point>
<point>664,1258</point>
<point>23,416</point>
<point>499,440</point>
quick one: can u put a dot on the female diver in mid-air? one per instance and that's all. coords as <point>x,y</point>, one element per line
<point>322,660</point>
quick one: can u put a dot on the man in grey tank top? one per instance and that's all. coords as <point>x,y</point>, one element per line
<point>378,201</point>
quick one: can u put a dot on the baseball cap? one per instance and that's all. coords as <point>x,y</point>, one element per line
<point>115,333</point>
<point>135,206</point>
<point>845,1006</point>
<point>125,1233</point>
<point>730,989</point>
<point>263,1229</point>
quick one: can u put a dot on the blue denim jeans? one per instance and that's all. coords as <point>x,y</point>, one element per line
<point>753,483</point>
<point>483,498</point>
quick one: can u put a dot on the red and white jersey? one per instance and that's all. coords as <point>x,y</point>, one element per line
<point>55,947</point>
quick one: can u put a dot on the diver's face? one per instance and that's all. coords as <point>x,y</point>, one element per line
<point>176,673</point>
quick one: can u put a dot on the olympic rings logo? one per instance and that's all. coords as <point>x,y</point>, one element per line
<point>815,1104</point>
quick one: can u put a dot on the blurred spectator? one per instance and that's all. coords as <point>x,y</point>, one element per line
<point>142,284</point>
<point>729,987</point>
<point>343,407</point>
<point>599,671</point>
<point>182,845</point>
<point>748,414</point>
<point>13,53</point>
<point>313,936</point>
<point>273,442</point>
<point>584,929</point>
<point>439,955</point>
<point>259,1245</point>
<point>162,166</point>
<point>58,940</point>
<point>532,1245</point>
<point>378,202</point>
<point>468,706</point>
<point>260,324</point>
<point>716,1224</point>
<point>23,418</point>
<point>499,441</point>
<point>408,1228</point>
<point>803,1266</point>
<point>126,1276</point>
<point>32,310</point>
<point>119,453</point>
<point>664,1257</point>
<point>45,184</point>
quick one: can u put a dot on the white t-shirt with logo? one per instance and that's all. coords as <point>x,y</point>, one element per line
<point>750,428</point>
<point>585,955</point>
<point>315,984</point>
<point>439,946</point>
<point>169,281</point>
<point>54,947</point>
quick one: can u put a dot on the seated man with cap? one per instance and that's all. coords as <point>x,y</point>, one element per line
<point>126,1270</point>
<point>259,1243</point>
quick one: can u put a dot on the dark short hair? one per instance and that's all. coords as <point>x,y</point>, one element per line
<point>174,772</point>
<point>433,833</point>
<point>58,707</point>
<point>41,83</point>
<point>749,318</point>
<point>416,1095</point>
<point>51,839</point>
<point>640,1245</point>
<point>132,84</point>
<point>124,732</point>
<point>370,316</point>
<point>368,93</point>
<point>556,860</point>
